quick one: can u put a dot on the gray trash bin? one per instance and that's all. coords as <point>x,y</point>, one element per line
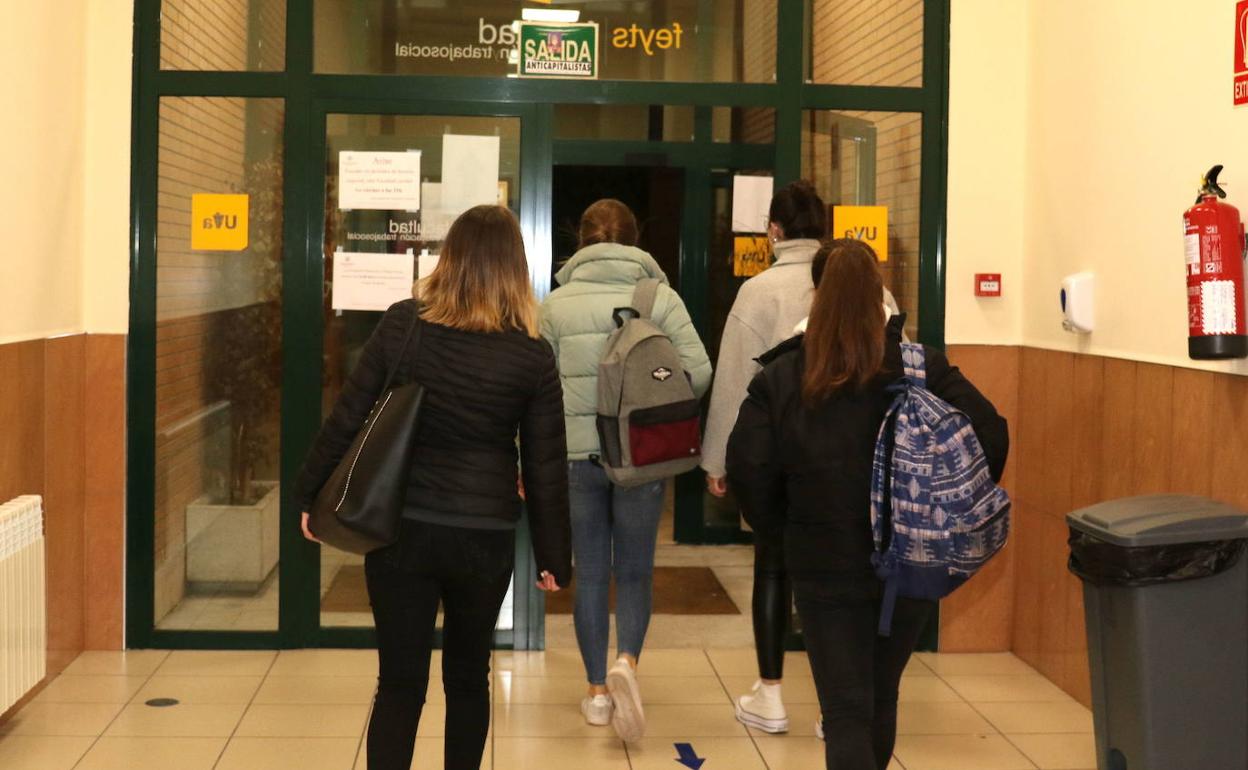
<point>1166,599</point>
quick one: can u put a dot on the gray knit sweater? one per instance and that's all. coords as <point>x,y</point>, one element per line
<point>768,308</point>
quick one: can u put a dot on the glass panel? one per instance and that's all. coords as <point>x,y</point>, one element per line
<point>746,125</point>
<point>624,122</point>
<point>225,35</point>
<point>662,40</point>
<point>344,599</point>
<point>218,362</point>
<point>867,42</point>
<point>873,159</point>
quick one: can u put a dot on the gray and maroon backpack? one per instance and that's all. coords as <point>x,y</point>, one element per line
<point>648,415</point>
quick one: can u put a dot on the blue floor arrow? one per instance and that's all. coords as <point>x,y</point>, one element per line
<point>688,757</point>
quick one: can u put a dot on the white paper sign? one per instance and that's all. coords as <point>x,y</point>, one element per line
<point>751,201</point>
<point>388,181</point>
<point>435,219</point>
<point>469,171</point>
<point>371,281</point>
<point>427,262</point>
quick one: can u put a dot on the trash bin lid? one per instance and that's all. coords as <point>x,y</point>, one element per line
<point>1160,520</point>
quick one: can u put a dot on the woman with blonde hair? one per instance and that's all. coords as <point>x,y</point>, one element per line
<point>488,376</point>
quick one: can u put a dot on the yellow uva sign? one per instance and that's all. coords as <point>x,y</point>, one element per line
<point>218,222</point>
<point>751,255</point>
<point>864,223</point>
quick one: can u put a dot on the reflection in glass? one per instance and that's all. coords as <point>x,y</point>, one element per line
<point>343,595</point>
<point>867,42</point>
<point>223,35</point>
<point>657,40</point>
<point>218,364</point>
<point>873,159</point>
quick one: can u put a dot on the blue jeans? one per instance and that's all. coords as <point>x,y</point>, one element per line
<point>614,530</point>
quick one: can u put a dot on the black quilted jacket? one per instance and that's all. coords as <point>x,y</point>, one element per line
<point>481,390</point>
<point>806,473</point>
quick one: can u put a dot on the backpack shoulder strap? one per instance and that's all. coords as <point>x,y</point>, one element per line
<point>914,363</point>
<point>644,296</point>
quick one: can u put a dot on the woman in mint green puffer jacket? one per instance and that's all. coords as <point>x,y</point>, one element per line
<point>614,529</point>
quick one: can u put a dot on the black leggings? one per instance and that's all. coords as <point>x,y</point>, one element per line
<point>773,597</point>
<point>468,570</point>
<point>857,672</point>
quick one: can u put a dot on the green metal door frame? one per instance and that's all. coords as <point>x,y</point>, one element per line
<point>307,95</point>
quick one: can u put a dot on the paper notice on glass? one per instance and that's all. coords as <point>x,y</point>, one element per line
<point>469,171</point>
<point>426,263</point>
<point>387,181</point>
<point>751,200</point>
<point>371,281</point>
<point>435,219</point>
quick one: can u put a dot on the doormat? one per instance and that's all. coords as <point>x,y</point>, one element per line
<point>677,591</point>
<point>347,591</point>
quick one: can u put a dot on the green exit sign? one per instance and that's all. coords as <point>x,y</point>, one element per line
<point>559,50</point>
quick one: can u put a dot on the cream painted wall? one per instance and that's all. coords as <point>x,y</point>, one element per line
<point>42,149</point>
<point>106,252</point>
<point>987,122</point>
<point>1129,103</point>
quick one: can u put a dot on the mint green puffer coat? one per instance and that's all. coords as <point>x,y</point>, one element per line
<point>576,321</point>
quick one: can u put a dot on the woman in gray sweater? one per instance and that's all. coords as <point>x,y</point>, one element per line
<point>768,308</point>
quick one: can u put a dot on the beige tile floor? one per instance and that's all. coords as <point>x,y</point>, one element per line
<point>307,709</point>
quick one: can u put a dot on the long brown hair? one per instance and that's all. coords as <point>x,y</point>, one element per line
<point>481,283</point>
<point>608,221</point>
<point>845,336</point>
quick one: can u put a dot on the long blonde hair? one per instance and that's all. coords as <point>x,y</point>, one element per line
<point>481,283</point>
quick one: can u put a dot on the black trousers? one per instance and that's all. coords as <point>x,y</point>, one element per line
<point>857,672</point>
<point>773,596</point>
<point>468,571</point>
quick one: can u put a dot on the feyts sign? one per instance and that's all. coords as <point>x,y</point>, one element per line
<point>1241,52</point>
<point>559,50</point>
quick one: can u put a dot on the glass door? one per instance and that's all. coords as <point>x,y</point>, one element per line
<point>392,183</point>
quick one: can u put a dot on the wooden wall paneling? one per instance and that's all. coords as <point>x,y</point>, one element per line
<point>1057,458</point>
<point>64,493</point>
<point>1118,430</point>
<point>1153,416</point>
<point>1085,430</point>
<point>1191,450</point>
<point>1030,434</point>
<point>1052,594</point>
<point>104,511</point>
<point>21,419</point>
<point>1027,577</point>
<point>1075,677</point>
<point>978,617</point>
<point>1229,436</point>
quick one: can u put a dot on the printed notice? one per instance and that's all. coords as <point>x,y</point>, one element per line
<point>751,202</point>
<point>365,281</point>
<point>469,171</point>
<point>379,181</point>
<point>435,219</point>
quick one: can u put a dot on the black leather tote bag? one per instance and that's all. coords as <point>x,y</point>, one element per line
<point>359,508</point>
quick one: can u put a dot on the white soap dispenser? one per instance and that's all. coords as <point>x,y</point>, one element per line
<point>1078,302</point>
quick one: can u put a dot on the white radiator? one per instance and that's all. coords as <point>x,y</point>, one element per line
<point>23,601</point>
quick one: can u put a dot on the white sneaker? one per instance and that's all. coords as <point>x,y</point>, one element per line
<point>629,719</point>
<point>819,729</point>
<point>763,709</point>
<point>597,710</point>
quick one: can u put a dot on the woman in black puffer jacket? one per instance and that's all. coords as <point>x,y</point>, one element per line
<point>488,376</point>
<point>800,459</point>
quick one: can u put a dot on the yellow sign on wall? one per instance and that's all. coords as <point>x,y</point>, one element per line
<point>218,222</point>
<point>863,223</point>
<point>751,255</point>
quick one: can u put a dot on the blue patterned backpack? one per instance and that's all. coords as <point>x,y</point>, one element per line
<point>936,513</point>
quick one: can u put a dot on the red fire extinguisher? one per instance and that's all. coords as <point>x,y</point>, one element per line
<point>1214,248</point>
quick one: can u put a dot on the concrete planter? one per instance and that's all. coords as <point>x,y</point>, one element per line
<point>232,547</point>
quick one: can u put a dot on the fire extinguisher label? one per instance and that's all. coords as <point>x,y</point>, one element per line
<point>1217,305</point>
<point>1191,250</point>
